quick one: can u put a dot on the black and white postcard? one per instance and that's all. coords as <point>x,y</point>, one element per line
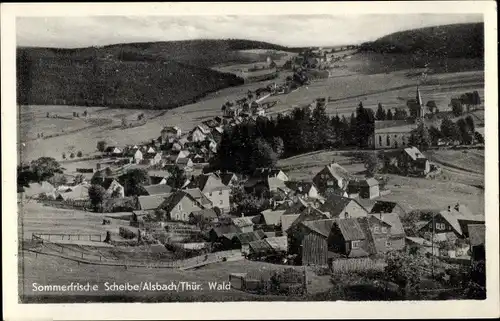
<point>323,159</point>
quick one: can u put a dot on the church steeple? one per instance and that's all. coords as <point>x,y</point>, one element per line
<point>419,97</point>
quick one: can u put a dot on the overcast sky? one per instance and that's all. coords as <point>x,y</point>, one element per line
<point>291,30</point>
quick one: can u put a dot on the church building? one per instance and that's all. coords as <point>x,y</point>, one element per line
<point>389,134</point>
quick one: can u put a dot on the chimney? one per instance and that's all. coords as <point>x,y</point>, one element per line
<point>381,216</point>
<point>457,207</point>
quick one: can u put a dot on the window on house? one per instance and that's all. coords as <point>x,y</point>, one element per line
<point>388,140</point>
<point>221,202</point>
<point>376,229</point>
<point>179,207</point>
<point>210,194</point>
<point>220,192</point>
<point>384,229</point>
<point>440,226</point>
<point>355,244</point>
<point>329,183</point>
<point>388,243</point>
<point>380,140</point>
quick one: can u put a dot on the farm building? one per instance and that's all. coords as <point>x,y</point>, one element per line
<point>170,133</point>
<point>365,188</point>
<point>314,242</point>
<point>113,188</point>
<point>477,240</point>
<point>113,151</point>
<point>268,247</point>
<point>77,192</point>
<point>244,224</point>
<point>390,134</point>
<point>152,202</point>
<point>343,207</point>
<point>35,190</point>
<point>351,238</point>
<point>159,177</point>
<point>387,232</point>
<point>185,163</point>
<point>206,214</point>
<point>216,233</point>
<point>179,205</point>
<point>333,177</point>
<point>135,155</point>
<point>152,158</point>
<point>242,240</point>
<point>266,179</point>
<point>199,133</point>
<point>411,160</point>
<point>271,218</point>
<point>213,188</point>
<point>305,189</point>
<point>180,155</point>
<point>287,221</point>
<point>388,207</point>
<point>157,189</point>
<point>453,220</point>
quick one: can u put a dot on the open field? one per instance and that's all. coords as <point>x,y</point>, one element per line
<point>462,179</point>
<point>391,90</point>
<point>36,218</point>
<point>50,270</point>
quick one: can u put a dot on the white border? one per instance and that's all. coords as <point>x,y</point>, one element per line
<point>295,310</point>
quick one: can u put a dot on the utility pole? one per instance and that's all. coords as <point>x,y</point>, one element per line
<point>432,240</point>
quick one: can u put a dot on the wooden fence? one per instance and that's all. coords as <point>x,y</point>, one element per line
<point>70,237</point>
<point>71,204</point>
<point>93,256</point>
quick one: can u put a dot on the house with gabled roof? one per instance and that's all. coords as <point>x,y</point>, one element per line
<point>113,151</point>
<point>77,192</point>
<point>412,161</point>
<point>153,158</point>
<point>228,179</point>
<point>266,179</point>
<point>332,177</point>
<point>112,187</point>
<point>213,188</point>
<point>364,188</point>
<point>199,133</point>
<point>305,189</point>
<point>387,231</point>
<point>152,202</point>
<point>343,207</point>
<point>180,204</point>
<point>35,190</point>
<point>170,133</point>
<point>455,219</point>
<point>477,239</point>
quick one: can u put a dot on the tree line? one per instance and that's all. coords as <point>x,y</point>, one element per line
<point>260,143</point>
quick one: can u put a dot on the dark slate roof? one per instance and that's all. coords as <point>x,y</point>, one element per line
<point>300,187</point>
<point>383,207</point>
<point>351,229</point>
<point>322,227</point>
<point>158,189</point>
<point>477,234</point>
<point>151,202</point>
<point>205,213</point>
<point>208,183</point>
<point>225,229</point>
<point>174,199</point>
<point>335,204</point>
<point>245,238</point>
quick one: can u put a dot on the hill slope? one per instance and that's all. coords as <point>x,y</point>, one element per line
<point>145,75</point>
<point>447,48</point>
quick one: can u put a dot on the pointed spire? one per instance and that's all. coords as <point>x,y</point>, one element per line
<point>419,97</point>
